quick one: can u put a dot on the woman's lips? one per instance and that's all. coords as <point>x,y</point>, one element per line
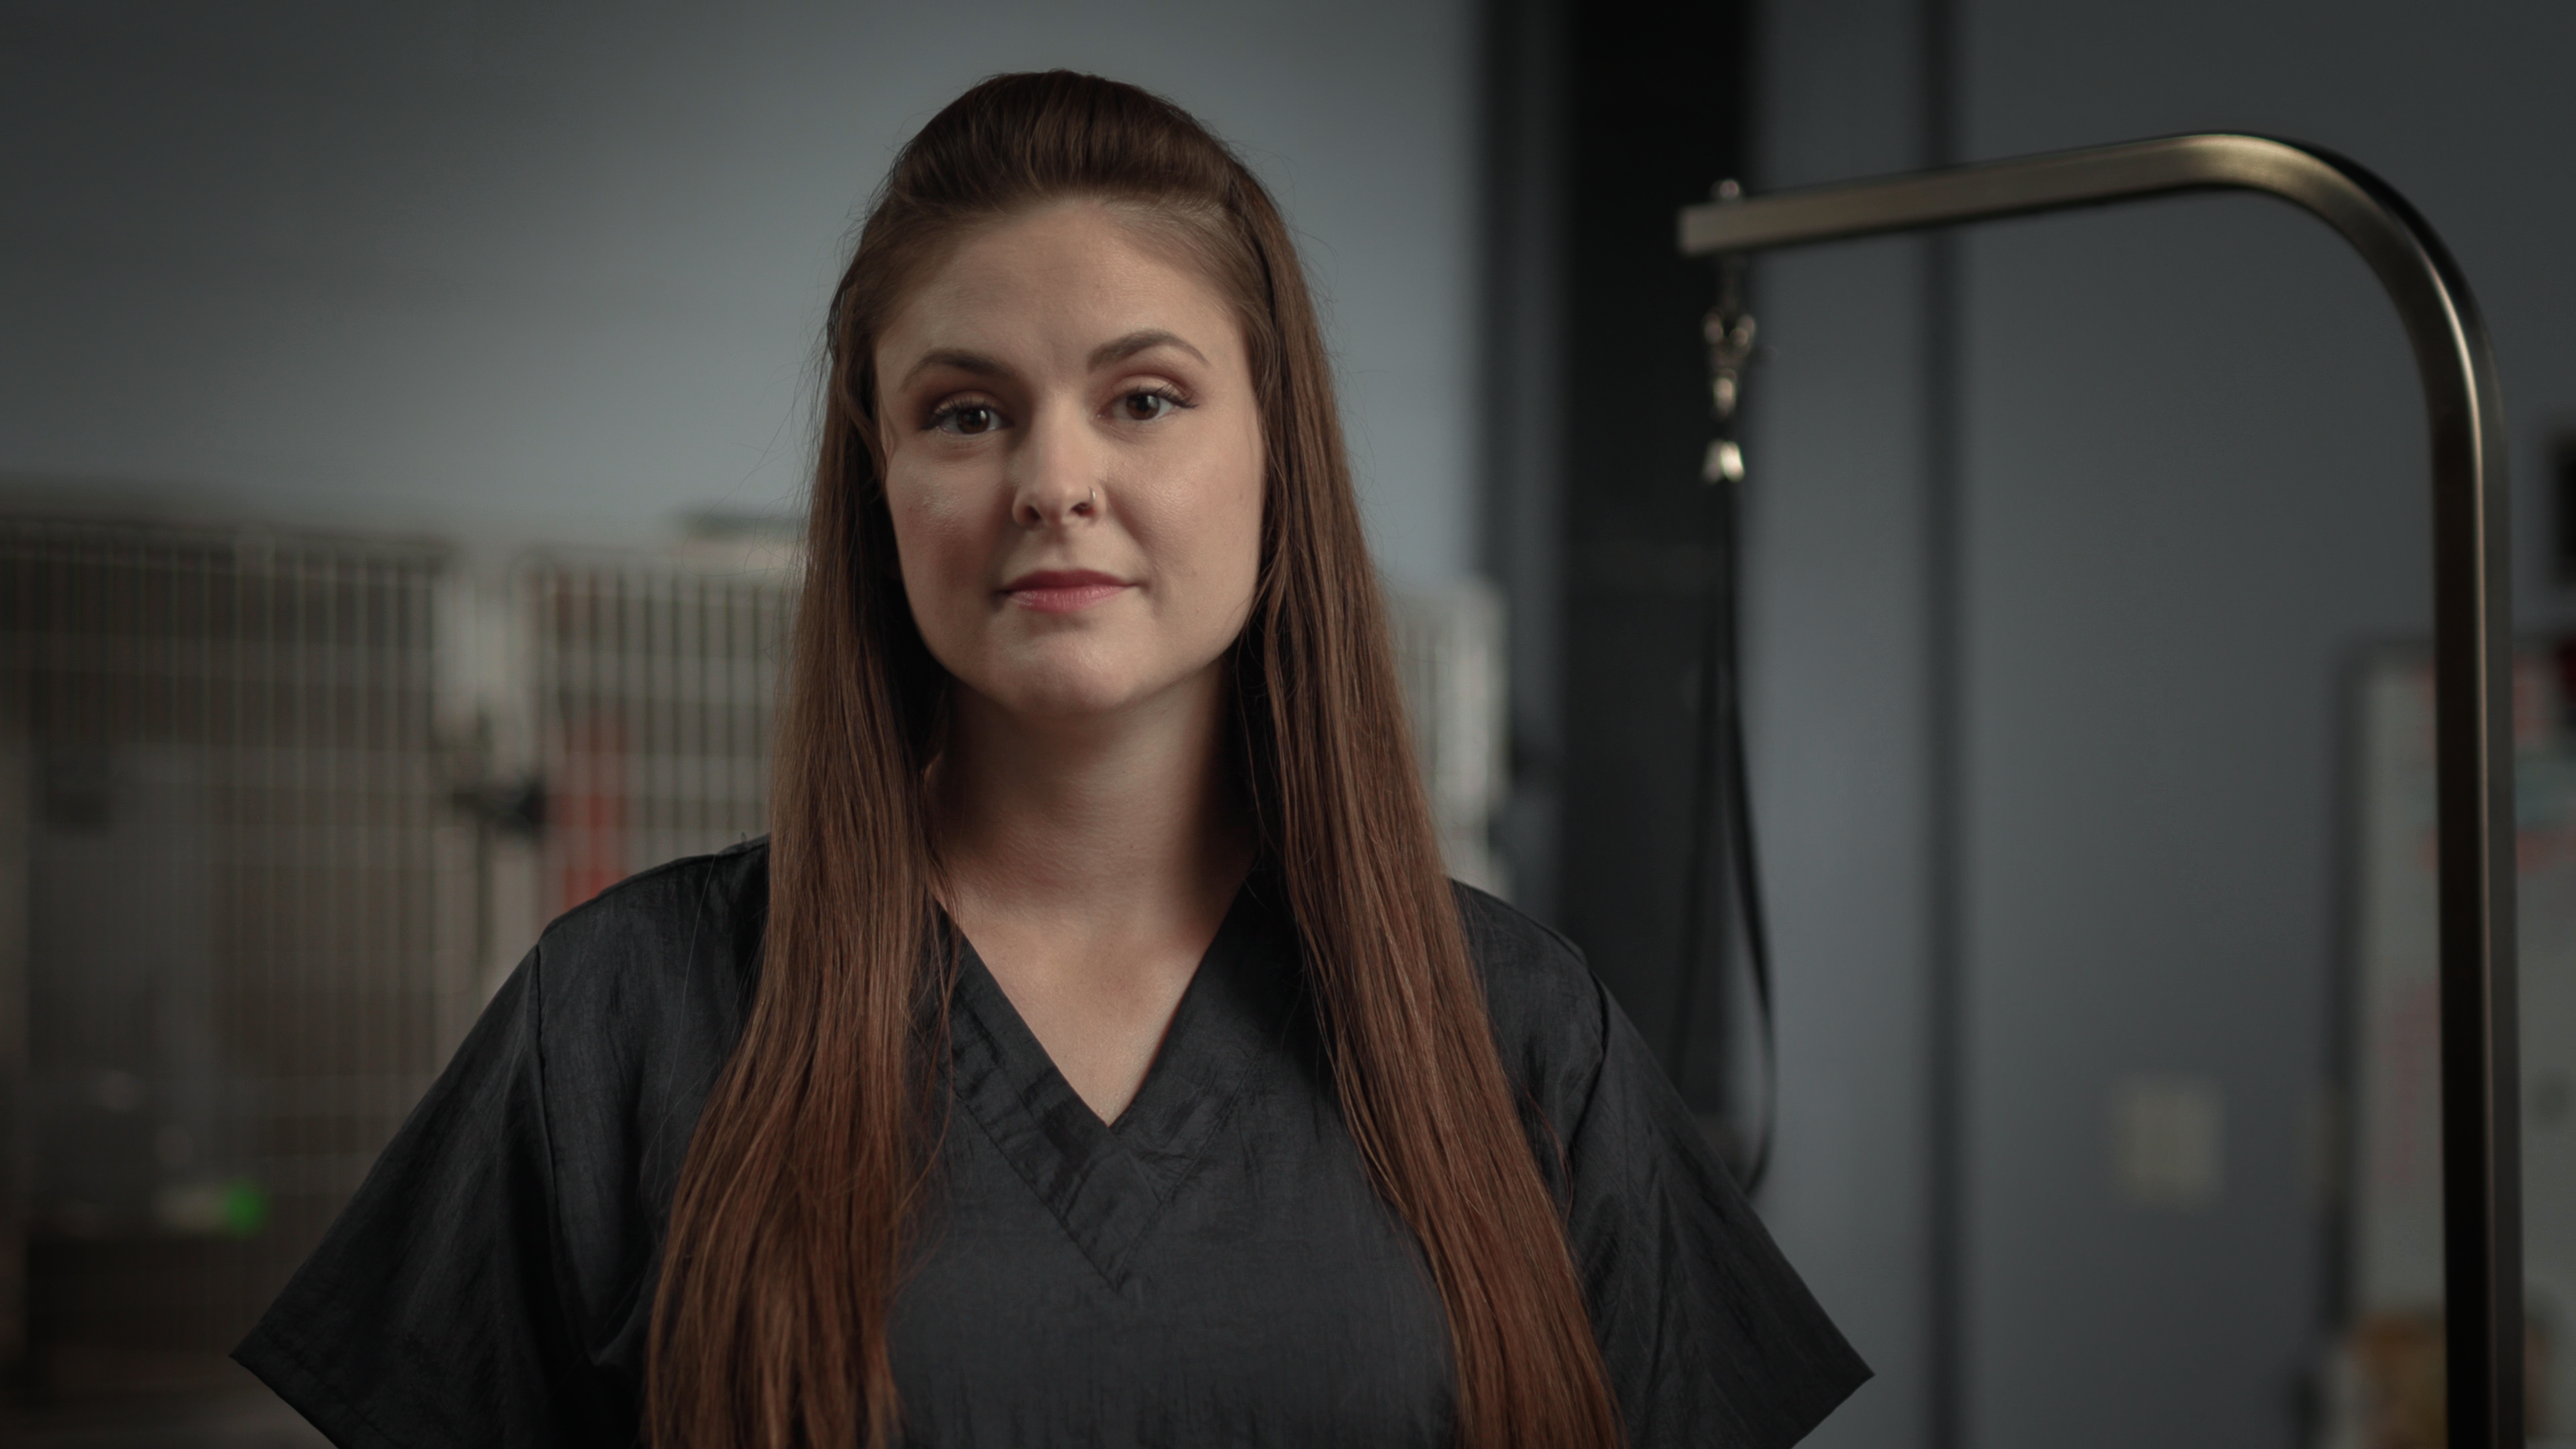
<point>1062,591</point>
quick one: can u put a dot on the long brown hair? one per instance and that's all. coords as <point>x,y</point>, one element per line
<point>788,1232</point>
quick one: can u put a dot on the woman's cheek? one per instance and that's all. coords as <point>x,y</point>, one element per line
<point>942,567</point>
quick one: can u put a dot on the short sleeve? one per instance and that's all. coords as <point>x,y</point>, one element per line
<point>433,1312</point>
<point>1708,1334</point>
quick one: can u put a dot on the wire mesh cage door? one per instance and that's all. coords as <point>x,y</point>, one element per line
<point>245,914</point>
<point>656,700</point>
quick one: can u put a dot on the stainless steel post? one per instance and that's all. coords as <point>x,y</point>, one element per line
<point>2472,681</point>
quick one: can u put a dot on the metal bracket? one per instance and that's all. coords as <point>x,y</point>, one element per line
<point>2472,673</point>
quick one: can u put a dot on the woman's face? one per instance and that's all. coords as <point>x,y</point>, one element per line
<point>1074,463</point>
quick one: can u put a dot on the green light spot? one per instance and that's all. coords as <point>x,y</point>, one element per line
<point>245,1207</point>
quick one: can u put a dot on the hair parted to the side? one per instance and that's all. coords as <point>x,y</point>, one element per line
<point>788,1232</point>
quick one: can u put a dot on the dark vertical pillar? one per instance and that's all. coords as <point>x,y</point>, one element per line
<point>1655,115</point>
<point>1524,439</point>
<point>1945,759</point>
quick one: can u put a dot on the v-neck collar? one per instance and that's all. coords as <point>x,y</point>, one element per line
<point>1108,1183</point>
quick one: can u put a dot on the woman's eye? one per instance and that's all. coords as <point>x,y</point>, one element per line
<point>968,419</point>
<point>1145,407</point>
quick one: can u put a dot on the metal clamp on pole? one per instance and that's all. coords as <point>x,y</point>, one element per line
<point>1729,330</point>
<point>2472,675</point>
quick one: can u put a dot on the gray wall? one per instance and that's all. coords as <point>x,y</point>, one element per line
<point>1836,693</point>
<point>2191,485</point>
<point>507,268</point>
<point>2155,887</point>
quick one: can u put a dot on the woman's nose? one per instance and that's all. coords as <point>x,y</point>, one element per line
<point>1056,480</point>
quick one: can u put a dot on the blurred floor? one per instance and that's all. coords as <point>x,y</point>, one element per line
<point>243,1417</point>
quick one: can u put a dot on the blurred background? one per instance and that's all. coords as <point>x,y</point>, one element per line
<point>403,419</point>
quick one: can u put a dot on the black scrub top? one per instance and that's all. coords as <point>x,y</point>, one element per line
<point>1212,1269</point>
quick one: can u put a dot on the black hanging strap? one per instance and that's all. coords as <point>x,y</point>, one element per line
<point>1721,798</point>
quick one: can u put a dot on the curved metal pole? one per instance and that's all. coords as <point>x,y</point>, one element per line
<point>2472,670</point>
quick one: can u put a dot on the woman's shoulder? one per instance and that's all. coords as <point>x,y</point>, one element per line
<point>691,925</point>
<point>654,973</point>
<point>1526,965</point>
<point>1549,1010</point>
<point>671,905</point>
<point>517,1215</point>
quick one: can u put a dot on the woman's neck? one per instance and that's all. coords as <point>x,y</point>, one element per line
<point>1099,825</point>
<point>1091,862</point>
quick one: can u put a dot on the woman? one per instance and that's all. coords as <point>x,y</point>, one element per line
<point>1096,1052</point>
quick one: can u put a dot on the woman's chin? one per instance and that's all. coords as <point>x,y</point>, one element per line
<point>1055,695</point>
<point>1074,696</point>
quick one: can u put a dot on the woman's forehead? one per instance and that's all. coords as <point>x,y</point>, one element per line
<point>1066,277</point>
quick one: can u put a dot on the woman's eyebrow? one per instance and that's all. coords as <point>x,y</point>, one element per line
<point>975,363</point>
<point>1120,349</point>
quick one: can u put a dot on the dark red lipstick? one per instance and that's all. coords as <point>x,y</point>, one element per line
<point>1063,591</point>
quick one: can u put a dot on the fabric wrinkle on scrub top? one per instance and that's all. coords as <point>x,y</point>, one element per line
<point>1214,1268</point>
